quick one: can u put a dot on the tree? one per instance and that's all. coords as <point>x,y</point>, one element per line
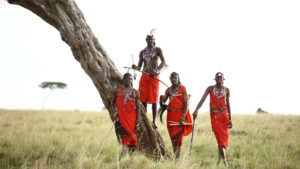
<point>51,86</point>
<point>261,111</point>
<point>68,19</point>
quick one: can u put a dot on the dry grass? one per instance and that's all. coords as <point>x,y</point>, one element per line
<point>72,139</point>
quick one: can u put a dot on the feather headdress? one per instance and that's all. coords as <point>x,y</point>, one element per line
<point>152,32</point>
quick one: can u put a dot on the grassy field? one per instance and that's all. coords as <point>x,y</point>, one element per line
<point>72,139</point>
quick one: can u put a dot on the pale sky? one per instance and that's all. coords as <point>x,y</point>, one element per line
<point>256,44</point>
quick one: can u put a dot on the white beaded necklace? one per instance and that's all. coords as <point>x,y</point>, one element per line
<point>126,93</point>
<point>148,54</point>
<point>219,94</point>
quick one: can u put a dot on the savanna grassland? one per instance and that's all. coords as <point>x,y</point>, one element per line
<point>72,139</point>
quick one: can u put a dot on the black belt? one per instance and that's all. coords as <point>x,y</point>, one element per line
<point>170,110</point>
<point>218,111</point>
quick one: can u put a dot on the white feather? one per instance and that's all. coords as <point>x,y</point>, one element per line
<point>152,31</point>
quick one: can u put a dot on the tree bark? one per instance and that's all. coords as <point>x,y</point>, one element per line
<point>68,19</point>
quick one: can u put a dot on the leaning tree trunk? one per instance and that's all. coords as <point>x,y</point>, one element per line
<point>67,18</point>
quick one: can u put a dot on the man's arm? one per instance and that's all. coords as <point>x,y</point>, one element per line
<point>201,102</point>
<point>137,109</point>
<point>140,64</point>
<point>164,98</point>
<point>228,106</point>
<point>185,103</point>
<point>162,59</point>
<point>113,103</point>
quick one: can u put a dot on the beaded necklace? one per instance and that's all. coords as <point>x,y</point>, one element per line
<point>174,91</point>
<point>219,94</point>
<point>173,94</point>
<point>126,93</point>
<point>148,55</point>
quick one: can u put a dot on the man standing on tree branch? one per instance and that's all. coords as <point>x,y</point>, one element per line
<point>149,86</point>
<point>125,104</point>
<point>220,113</point>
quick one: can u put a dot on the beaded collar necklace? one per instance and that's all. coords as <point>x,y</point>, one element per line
<point>219,93</point>
<point>174,91</point>
<point>126,93</point>
<point>148,54</point>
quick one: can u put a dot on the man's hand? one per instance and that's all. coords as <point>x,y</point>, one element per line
<point>161,98</point>
<point>115,116</point>
<point>152,73</point>
<point>134,66</point>
<point>181,122</point>
<point>230,124</point>
<point>195,114</point>
<point>156,71</point>
<point>137,127</point>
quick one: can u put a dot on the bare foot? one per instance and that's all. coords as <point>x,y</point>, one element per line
<point>225,162</point>
<point>154,125</point>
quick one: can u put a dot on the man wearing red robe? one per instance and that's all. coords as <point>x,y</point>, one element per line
<point>178,117</point>
<point>125,104</point>
<point>220,114</point>
<point>149,86</point>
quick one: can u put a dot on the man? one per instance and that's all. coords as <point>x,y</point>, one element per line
<point>125,104</point>
<point>220,114</point>
<point>149,86</point>
<point>178,117</point>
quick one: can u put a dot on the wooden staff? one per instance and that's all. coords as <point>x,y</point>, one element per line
<point>105,140</point>
<point>147,74</point>
<point>173,123</point>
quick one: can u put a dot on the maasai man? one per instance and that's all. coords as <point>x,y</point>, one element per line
<point>148,86</point>
<point>125,105</point>
<point>220,113</point>
<point>178,117</point>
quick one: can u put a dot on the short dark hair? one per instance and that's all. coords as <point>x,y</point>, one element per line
<point>150,36</point>
<point>126,74</point>
<point>175,74</point>
<point>220,74</point>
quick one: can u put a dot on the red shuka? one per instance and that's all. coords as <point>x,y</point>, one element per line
<point>127,118</point>
<point>177,132</point>
<point>219,117</point>
<point>149,89</point>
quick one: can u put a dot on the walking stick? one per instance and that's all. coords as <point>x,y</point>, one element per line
<point>192,141</point>
<point>105,139</point>
<point>147,74</point>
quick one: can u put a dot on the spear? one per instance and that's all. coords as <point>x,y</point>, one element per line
<point>192,141</point>
<point>147,74</point>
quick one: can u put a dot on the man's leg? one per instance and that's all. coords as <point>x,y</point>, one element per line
<point>177,152</point>
<point>154,109</point>
<point>125,149</point>
<point>145,106</point>
<point>219,156</point>
<point>223,150</point>
<point>131,149</point>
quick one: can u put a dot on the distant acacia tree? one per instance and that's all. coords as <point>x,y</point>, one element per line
<point>261,111</point>
<point>51,86</point>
